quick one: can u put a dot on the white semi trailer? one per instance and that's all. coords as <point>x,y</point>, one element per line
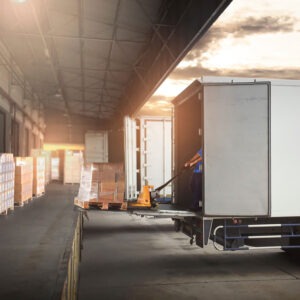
<point>96,146</point>
<point>250,132</point>
<point>148,151</point>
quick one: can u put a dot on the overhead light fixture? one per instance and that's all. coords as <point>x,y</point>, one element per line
<point>47,54</point>
<point>19,1</point>
<point>58,94</point>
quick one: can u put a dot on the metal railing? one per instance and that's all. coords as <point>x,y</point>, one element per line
<point>283,231</point>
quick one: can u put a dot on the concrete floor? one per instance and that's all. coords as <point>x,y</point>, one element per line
<point>128,257</point>
<point>33,240</point>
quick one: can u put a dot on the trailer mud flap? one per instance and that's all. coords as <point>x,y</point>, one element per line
<point>203,233</point>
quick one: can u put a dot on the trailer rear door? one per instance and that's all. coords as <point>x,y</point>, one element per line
<point>236,149</point>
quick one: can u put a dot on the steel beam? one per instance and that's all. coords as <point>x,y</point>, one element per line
<point>69,37</point>
<point>191,20</point>
<point>51,50</point>
<point>110,49</point>
<point>80,30</point>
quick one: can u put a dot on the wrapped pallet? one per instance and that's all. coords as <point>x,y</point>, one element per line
<point>47,155</point>
<point>104,185</point>
<point>38,176</point>
<point>7,180</point>
<point>85,193</point>
<point>23,179</point>
<point>55,168</point>
<point>73,162</point>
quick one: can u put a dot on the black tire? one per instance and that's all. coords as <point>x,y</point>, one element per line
<point>177,225</point>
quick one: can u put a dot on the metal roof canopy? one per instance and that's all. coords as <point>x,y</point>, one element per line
<point>102,58</point>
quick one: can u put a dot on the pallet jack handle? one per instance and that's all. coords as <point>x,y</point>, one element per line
<point>155,194</point>
<point>183,169</point>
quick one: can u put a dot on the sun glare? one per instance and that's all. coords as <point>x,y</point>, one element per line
<point>256,51</point>
<point>19,1</point>
<point>171,88</point>
<point>239,41</point>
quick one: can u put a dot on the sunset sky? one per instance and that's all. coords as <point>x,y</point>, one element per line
<point>258,38</point>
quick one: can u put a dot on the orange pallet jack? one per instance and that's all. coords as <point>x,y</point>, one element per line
<point>144,199</point>
<point>147,197</point>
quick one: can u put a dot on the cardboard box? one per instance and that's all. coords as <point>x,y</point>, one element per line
<point>39,166</point>
<point>47,157</point>
<point>7,179</point>
<point>109,186</point>
<point>103,183</point>
<point>73,162</point>
<point>119,197</point>
<point>23,179</point>
<point>106,197</point>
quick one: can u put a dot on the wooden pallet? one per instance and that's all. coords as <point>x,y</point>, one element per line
<point>21,203</point>
<point>5,212</point>
<point>71,183</point>
<point>38,195</point>
<point>82,204</point>
<point>106,205</point>
<point>103,205</point>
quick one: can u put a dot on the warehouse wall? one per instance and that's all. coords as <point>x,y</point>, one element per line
<point>4,108</point>
<point>18,106</point>
<point>19,111</point>
<point>8,131</point>
<point>61,129</point>
<point>116,145</point>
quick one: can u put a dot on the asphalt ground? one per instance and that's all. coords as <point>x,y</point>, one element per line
<point>128,257</point>
<point>34,239</point>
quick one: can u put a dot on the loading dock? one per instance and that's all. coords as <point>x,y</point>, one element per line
<point>129,257</point>
<point>35,242</point>
<point>72,67</point>
<point>144,258</point>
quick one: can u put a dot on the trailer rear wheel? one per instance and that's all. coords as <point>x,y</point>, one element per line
<point>177,225</point>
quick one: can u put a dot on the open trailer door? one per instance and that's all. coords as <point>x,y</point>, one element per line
<point>130,148</point>
<point>156,154</point>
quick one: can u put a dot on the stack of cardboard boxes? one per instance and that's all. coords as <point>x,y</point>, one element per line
<point>72,166</point>
<point>102,184</point>
<point>55,168</point>
<point>47,155</point>
<point>108,180</point>
<point>38,175</point>
<point>23,179</point>
<point>7,179</point>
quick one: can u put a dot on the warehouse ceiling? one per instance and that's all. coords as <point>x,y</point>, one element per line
<point>101,58</point>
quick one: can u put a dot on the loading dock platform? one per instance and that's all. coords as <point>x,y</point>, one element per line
<point>35,245</point>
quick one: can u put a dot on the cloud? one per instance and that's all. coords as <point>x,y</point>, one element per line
<point>243,44</point>
<point>191,73</point>
<point>271,73</point>
<point>267,24</point>
<point>240,29</point>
